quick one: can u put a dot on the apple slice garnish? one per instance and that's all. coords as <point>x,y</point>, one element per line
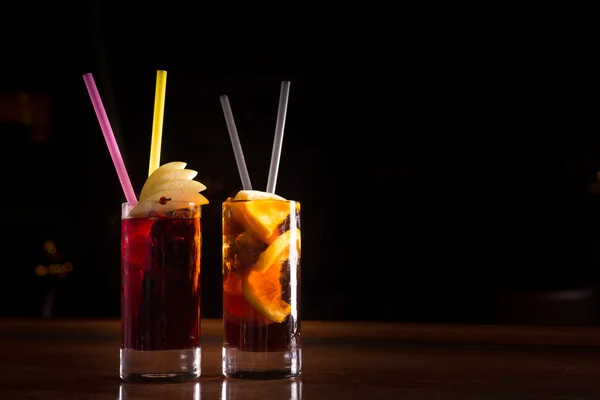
<point>176,184</point>
<point>160,171</point>
<point>179,195</point>
<point>167,189</point>
<point>167,176</point>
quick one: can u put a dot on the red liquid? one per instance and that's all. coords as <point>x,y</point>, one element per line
<point>160,287</point>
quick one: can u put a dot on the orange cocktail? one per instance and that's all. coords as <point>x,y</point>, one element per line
<point>261,286</point>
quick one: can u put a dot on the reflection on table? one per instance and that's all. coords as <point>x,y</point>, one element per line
<point>185,391</point>
<point>250,390</point>
<point>230,390</point>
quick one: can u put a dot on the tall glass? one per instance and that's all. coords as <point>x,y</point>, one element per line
<point>261,289</point>
<point>160,291</point>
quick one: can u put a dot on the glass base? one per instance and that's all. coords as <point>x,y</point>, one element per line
<point>160,365</point>
<point>261,365</point>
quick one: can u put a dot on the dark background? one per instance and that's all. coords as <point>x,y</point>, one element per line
<point>445,157</point>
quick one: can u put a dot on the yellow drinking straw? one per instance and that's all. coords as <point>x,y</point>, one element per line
<point>157,123</point>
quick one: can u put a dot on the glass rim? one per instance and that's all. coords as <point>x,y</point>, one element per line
<point>231,200</point>
<point>190,203</point>
<point>153,208</point>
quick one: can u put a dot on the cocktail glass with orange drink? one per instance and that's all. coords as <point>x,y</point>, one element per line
<point>261,286</point>
<point>261,270</point>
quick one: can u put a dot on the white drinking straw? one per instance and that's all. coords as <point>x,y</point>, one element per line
<point>235,142</point>
<point>276,153</point>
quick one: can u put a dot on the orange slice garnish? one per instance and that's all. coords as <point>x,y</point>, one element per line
<point>279,250</point>
<point>262,216</point>
<point>263,291</point>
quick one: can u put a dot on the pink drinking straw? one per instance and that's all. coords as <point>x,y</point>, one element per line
<point>109,137</point>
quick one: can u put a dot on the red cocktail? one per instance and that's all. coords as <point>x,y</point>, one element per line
<point>160,291</point>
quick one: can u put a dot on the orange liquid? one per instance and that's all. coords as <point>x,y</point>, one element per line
<point>245,327</point>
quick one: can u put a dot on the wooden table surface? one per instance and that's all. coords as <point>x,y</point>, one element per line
<point>79,359</point>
